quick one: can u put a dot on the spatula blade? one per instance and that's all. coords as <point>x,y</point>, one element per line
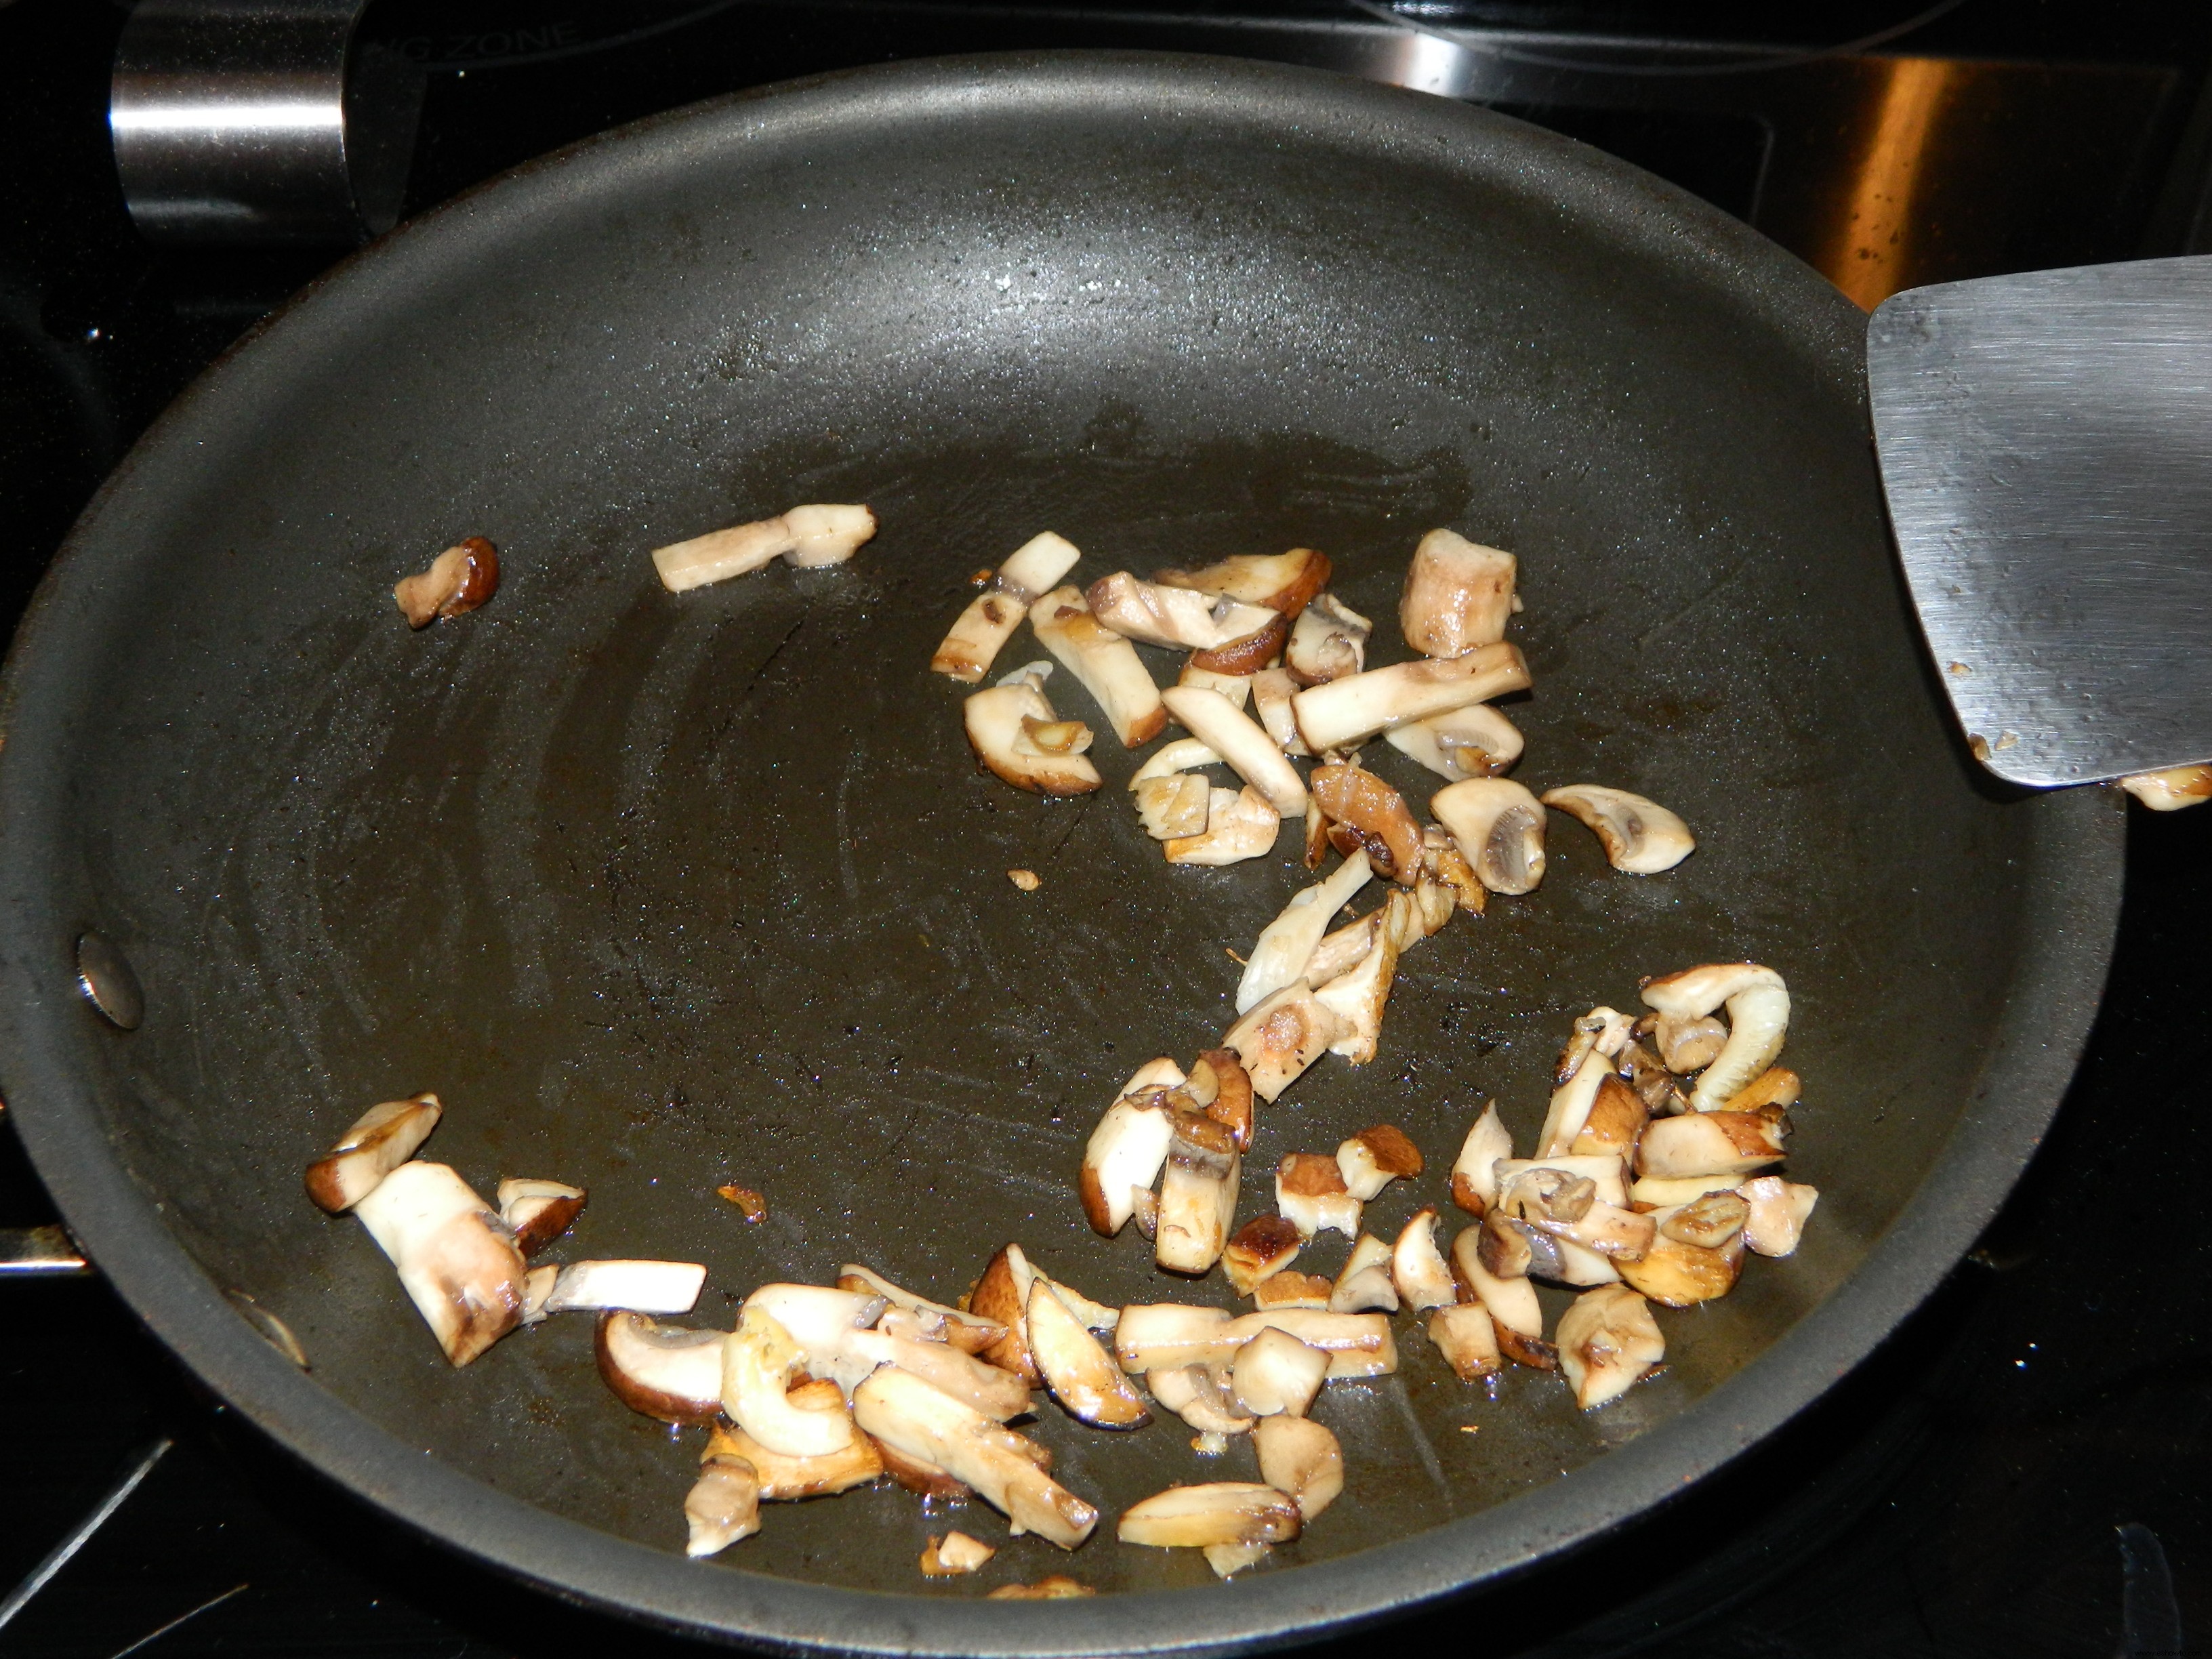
<point>2046,440</point>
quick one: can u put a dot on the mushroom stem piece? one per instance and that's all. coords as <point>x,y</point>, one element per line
<point>953,1554</point>
<point>1358,1345</point>
<point>1499,826</point>
<point>1275,1374</point>
<point>1219,1512</point>
<point>1230,733</point>
<point>1283,1036</point>
<point>1310,1194</point>
<point>1511,1303</point>
<point>456,1259</point>
<point>806,535</point>
<point>1712,1143</point>
<point>984,628</point>
<point>904,1412</point>
<point>1200,1396</point>
<point>1358,996</point>
<point>1198,1195</point>
<point>1417,1266</point>
<point>1606,1341</point>
<point>1779,1210</point>
<point>1262,1248</point>
<point>1344,714</point>
<point>1458,595</point>
<point>1102,662</point>
<point>382,1140</point>
<point>1161,1336</point>
<point>1466,1338</point>
<point>648,1287</point>
<point>968,1332</point>
<point>1286,945</point>
<point>1639,836</point>
<point>1362,1284</point>
<point>1374,1158</point>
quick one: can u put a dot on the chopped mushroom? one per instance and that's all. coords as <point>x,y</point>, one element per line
<point>1002,1296</point>
<point>1091,1315</point>
<point>1311,1195</point>
<point>1250,752</point>
<point>1458,595</point>
<point>1282,582</point>
<point>1229,668</point>
<point>1500,825</point>
<point>1615,1122</point>
<point>1175,807</point>
<point>1511,1303</point>
<point>1081,1375</point>
<point>1374,1158</point>
<point>1262,1248</point>
<point>1474,1174</point>
<point>1604,1031</point>
<point>1607,1174</point>
<point>995,720</point>
<point>1777,1214</point>
<point>1329,643</point>
<point>722,1506</point>
<point>1358,996</point>
<point>1287,944</point>
<point>1600,1035</point>
<point>1169,758</point>
<point>1363,1284</point>
<point>1173,616</point>
<point>1377,813</point>
<point>750,1205</point>
<point>902,1411</point>
<point>1296,1289</point>
<point>1639,836</point>
<point>759,1360</point>
<point>1280,1037</point>
<point>970,1332</point>
<point>1344,714</point>
<point>1275,1374</point>
<point>1197,1194</point>
<point>380,1139</point>
<point>805,536</point>
<point>1655,1193</point>
<point>1219,1512</point>
<point>1777,1085</point>
<point>1053,1587</point>
<point>1103,663</point>
<point>785,1479</point>
<point>456,1259</point>
<point>1236,688</point>
<point>1444,865</point>
<point>1690,1043</point>
<point>984,628</point>
<point>1200,1395</point>
<point>1712,1143</point>
<point>458,579</point>
<point>1417,1266</point>
<point>1759,1018</point>
<point>539,1212</point>
<point>2172,789</point>
<point>1358,1345</point>
<point>1608,1340</point>
<point>668,1371</point>
<point>953,1554</point>
<point>1341,951</point>
<point>1679,1275</point>
<point>926,1480</point>
<point>1227,1560</point>
<point>649,1287</point>
<point>1239,825</point>
<point>1123,1158</point>
<point>1222,1088</point>
<point>1567,1207</point>
<point>998,1395</point>
<point>1464,1335</point>
<point>1161,1336</point>
<point>536,1285</point>
<point>1301,1459</point>
<point>1272,691</point>
<point>1474,742</point>
<point>1708,1220</point>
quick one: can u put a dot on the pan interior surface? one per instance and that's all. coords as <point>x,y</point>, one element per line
<point>662,891</point>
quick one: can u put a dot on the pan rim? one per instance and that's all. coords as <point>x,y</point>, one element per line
<point>2070,911</point>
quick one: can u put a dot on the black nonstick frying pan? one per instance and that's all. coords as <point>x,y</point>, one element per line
<point>664,891</point>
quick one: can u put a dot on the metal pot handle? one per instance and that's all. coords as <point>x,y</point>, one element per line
<point>40,1253</point>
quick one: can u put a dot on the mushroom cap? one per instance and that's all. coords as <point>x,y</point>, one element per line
<point>1375,1156</point>
<point>1473,742</point>
<point>1301,1459</point>
<point>1499,826</point>
<point>670,1372</point>
<point>1329,643</point>
<point>378,1142</point>
<point>1284,582</point>
<point>1239,825</point>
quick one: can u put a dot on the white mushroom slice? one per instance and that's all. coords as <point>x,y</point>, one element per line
<point>722,1506</point>
<point>997,1393</point>
<point>984,628</point>
<point>1417,1266</point>
<point>1511,1303</point>
<point>968,1332</point>
<point>1759,1018</point>
<point>1608,1340</point>
<point>1499,826</point>
<point>1080,1374</point>
<point>1123,1157</point>
<point>2172,789</point>
<point>904,1412</point>
<point>1358,1345</point>
<point>1106,664</point>
<point>1280,1037</point>
<point>1673,1191</point>
<point>1678,1275</point>
<point>1602,1031</point>
<point>1262,1248</point>
<point>1286,945</point>
<point>667,1371</point>
<point>1091,1315</point>
<point>1219,1512</point>
<point>1236,688</point>
<point>1474,742</point>
<point>954,1554</point>
<point>456,1259</point>
<point>1198,1195</point>
<point>1175,807</point>
<point>806,535</point>
<point>759,1359</point>
<point>538,1211</point>
<point>993,720</point>
<point>1607,1174</point>
<point>785,1479</point>
<point>1374,1158</point>
<point>1239,825</point>
<point>1311,1195</point>
<point>1274,1374</point>
<point>537,1284</point>
<point>1295,1290</point>
<point>1162,1336</point>
<point>1053,738</point>
<point>1301,1459</point>
<point>1779,1210</point>
<point>1474,1175</point>
<point>1328,643</point>
<point>1200,1396</point>
<point>650,1287</point>
<point>1169,758</point>
<point>1358,996</point>
<point>1272,691</point>
<point>1173,616</point>
<point>1465,1337</point>
<point>1344,714</point>
<point>1363,1284</point>
<point>1282,582</point>
<point>1639,836</point>
<point>1341,951</point>
<point>1458,595</point>
<point>1712,1143</point>
<point>1250,752</point>
<point>382,1140</point>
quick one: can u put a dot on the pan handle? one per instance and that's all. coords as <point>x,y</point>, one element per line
<point>39,1253</point>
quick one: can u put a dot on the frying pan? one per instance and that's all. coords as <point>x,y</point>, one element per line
<point>661,892</point>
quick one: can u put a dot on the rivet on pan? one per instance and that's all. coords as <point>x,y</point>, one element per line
<point>105,976</point>
<point>270,1329</point>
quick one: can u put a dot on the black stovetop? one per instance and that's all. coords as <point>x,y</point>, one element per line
<point>2020,1472</point>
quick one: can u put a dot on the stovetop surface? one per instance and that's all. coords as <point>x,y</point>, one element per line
<point>2020,1471</point>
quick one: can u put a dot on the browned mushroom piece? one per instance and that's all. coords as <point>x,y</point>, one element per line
<point>1708,1220</point>
<point>2172,789</point>
<point>1777,1085</point>
<point>1757,1006</point>
<point>1197,1194</point>
<point>1329,643</point>
<point>1300,1459</point>
<point>1712,1143</point>
<point>1249,752</point>
<point>1221,1085</point>
<point>1374,1158</point>
<point>1566,1205</point>
<point>1358,1345</point>
<point>1311,1195</point>
<point>1262,1248</point>
<point>536,1285</point>
<point>1640,837</point>
<point>1272,691</point>
<point>1474,742</point>
<point>1458,595</point>
<point>926,1480</point>
<point>954,1554</point>
<point>1236,688</point>
<point>902,1411</point>
<point>1778,1212</point>
<point>1317,829</point>
<point>1511,1303</point>
<point>1239,659</point>
<point>1174,616</point>
<point>1679,1275</point>
<point>1079,1372</point>
<point>455,1258</point>
<point>1443,863</point>
<point>1358,996</point>
<point>1467,1339</point>
<point>994,721</point>
<point>1499,826</point>
<point>1284,582</point>
<point>1002,1296</point>
<point>1123,1158</point>
<point>647,1287</point>
<point>1615,1122</point>
<point>722,1506</point>
<point>1161,1336</point>
<point>1219,1512</point>
<point>539,1212</point>
<point>1175,807</point>
<point>1653,1083</point>
<point>670,1372</point>
<point>816,534</point>
<point>1582,1069</point>
<point>998,1395</point>
<point>1294,1290</point>
<point>1103,663</point>
<point>750,1204</point>
<point>1053,1587</point>
<point>1181,755</point>
<point>1200,1394</point>
<point>1280,1037</point>
<point>458,579</point>
<point>1363,1284</point>
<point>1275,1374</point>
<point>1417,1266</point>
<point>1279,957</point>
<point>1240,824</point>
<point>380,1141</point>
<point>1607,1176</point>
<point>1344,714</point>
<point>984,628</point>
<point>1474,1173</point>
<point>1377,813</point>
<point>1607,1341</point>
<point>785,1479</point>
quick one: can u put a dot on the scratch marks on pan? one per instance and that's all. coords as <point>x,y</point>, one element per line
<point>849,871</point>
<point>1429,1460</point>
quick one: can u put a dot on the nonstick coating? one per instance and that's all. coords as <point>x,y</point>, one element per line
<point>664,891</point>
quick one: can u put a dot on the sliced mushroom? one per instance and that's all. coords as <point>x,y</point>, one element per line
<point>1180,616</point>
<point>1317,838</point>
<point>1236,688</point>
<point>1511,1303</point>
<point>819,1319</point>
<point>1444,865</point>
<point>1250,752</point>
<point>1275,1374</point>
<point>1200,1395</point>
<point>1464,1335</point>
<point>2172,789</point>
<point>1708,1220</point>
<point>1567,1207</point>
<point>455,1258</point>
<point>1712,1143</point>
<point>1651,1081</point>
<point>1607,1174</point>
<point>1081,1375</point>
<point>1161,1336</point>
<point>668,1371</point>
<point>954,1554</point>
<point>1608,1340</point>
<point>925,1479</point>
<point>1474,742</point>
<point>1002,1296</point>
<point>1602,1031</point>
<point>759,1359</point>
<point>1219,1083</point>
<point>1689,1043</point>
<point>1262,1248</point>
<point>1341,951</point>
<point>1378,814</point>
<point>1123,1158</point>
<point>1417,1266</point>
<point>1374,1158</point>
<point>785,1479</point>
<point>1219,1512</point>
<point>380,1139</point>
<point>902,1411</point>
<point>1364,1283</point>
<point>1287,944</point>
<point>1311,1195</point>
<point>1229,668</point>
<point>1282,582</point>
<point>1639,836</point>
<point>1294,1290</point>
<point>1198,1195</point>
<point>984,628</point>
<point>539,1212</point>
<point>1301,1459</point>
<point>537,1284</point>
<point>970,1332</point>
<point>458,579</point>
<point>1344,714</point>
<point>1474,1174</point>
<point>1358,1344</point>
<point>998,1395</point>
<point>1500,825</point>
<point>1778,1212</point>
<point>1239,825</point>
<point>722,1506</point>
<point>1777,1085</point>
<point>1579,1078</point>
<point>649,1287</point>
<point>1272,691</point>
<point>1759,1018</point>
<point>1358,996</point>
<point>1329,643</point>
<point>1654,1194</point>
<point>1458,595</point>
<point>1280,1037</point>
<point>1615,1123</point>
<point>1169,758</point>
<point>806,535</point>
<point>1053,1587</point>
<point>1103,663</point>
<point>994,722</point>
<point>1678,1275</point>
<point>1175,807</point>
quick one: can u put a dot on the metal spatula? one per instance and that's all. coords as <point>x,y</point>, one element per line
<point>2046,443</point>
